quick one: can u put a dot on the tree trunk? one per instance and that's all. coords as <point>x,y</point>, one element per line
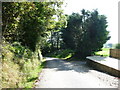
<point>40,57</point>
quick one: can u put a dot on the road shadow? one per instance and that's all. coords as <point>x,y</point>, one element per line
<point>62,65</point>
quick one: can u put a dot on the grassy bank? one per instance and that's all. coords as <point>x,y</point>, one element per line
<point>20,66</point>
<point>104,52</point>
<point>34,76</point>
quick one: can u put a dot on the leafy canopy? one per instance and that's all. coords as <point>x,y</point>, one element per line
<point>28,22</point>
<point>85,33</point>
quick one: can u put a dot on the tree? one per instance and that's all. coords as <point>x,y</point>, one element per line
<point>117,46</point>
<point>54,40</point>
<point>86,33</point>
<point>70,34</point>
<point>29,22</point>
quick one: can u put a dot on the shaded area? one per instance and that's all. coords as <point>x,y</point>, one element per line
<point>62,65</point>
<point>32,79</point>
<point>59,73</point>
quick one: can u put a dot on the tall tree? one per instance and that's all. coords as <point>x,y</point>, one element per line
<point>28,22</point>
<point>86,33</point>
<point>70,34</point>
<point>117,46</point>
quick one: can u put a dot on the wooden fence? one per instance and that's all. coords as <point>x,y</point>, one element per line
<point>115,53</point>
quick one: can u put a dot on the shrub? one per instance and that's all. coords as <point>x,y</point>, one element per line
<point>19,65</point>
<point>66,53</point>
<point>117,46</point>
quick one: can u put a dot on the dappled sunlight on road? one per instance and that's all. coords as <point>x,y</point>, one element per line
<point>75,74</point>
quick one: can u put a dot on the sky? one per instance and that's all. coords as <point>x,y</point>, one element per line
<point>109,8</point>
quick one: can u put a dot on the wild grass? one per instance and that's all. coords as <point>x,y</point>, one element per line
<point>33,75</point>
<point>20,67</point>
<point>104,52</point>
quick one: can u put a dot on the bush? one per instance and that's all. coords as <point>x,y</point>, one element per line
<point>117,46</point>
<point>85,33</point>
<point>64,54</point>
<point>19,66</point>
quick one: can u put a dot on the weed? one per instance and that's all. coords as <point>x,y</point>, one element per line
<point>20,67</point>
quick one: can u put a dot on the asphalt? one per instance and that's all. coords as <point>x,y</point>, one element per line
<point>75,74</point>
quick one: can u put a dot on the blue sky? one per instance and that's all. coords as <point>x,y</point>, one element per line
<point>109,8</point>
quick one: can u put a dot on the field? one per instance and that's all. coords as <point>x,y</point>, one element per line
<point>104,52</point>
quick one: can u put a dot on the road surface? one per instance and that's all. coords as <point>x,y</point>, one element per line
<point>74,74</point>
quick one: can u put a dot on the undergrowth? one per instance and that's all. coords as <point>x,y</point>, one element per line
<point>105,52</point>
<point>20,66</point>
<point>63,54</point>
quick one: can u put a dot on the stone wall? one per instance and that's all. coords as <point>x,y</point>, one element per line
<point>103,68</point>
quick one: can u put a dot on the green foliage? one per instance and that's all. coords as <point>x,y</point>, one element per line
<point>85,33</point>
<point>25,26</point>
<point>64,54</point>
<point>103,52</point>
<point>17,71</point>
<point>117,46</point>
<point>28,22</point>
<point>71,34</point>
<point>11,14</point>
<point>33,75</point>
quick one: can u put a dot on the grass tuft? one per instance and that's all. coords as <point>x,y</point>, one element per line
<point>20,68</point>
<point>104,52</point>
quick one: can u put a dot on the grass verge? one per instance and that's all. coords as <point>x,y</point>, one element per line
<point>35,74</point>
<point>104,52</point>
<point>20,66</point>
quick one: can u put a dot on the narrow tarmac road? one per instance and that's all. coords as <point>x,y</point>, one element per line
<point>75,74</point>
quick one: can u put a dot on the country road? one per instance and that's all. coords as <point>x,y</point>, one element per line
<point>75,74</point>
